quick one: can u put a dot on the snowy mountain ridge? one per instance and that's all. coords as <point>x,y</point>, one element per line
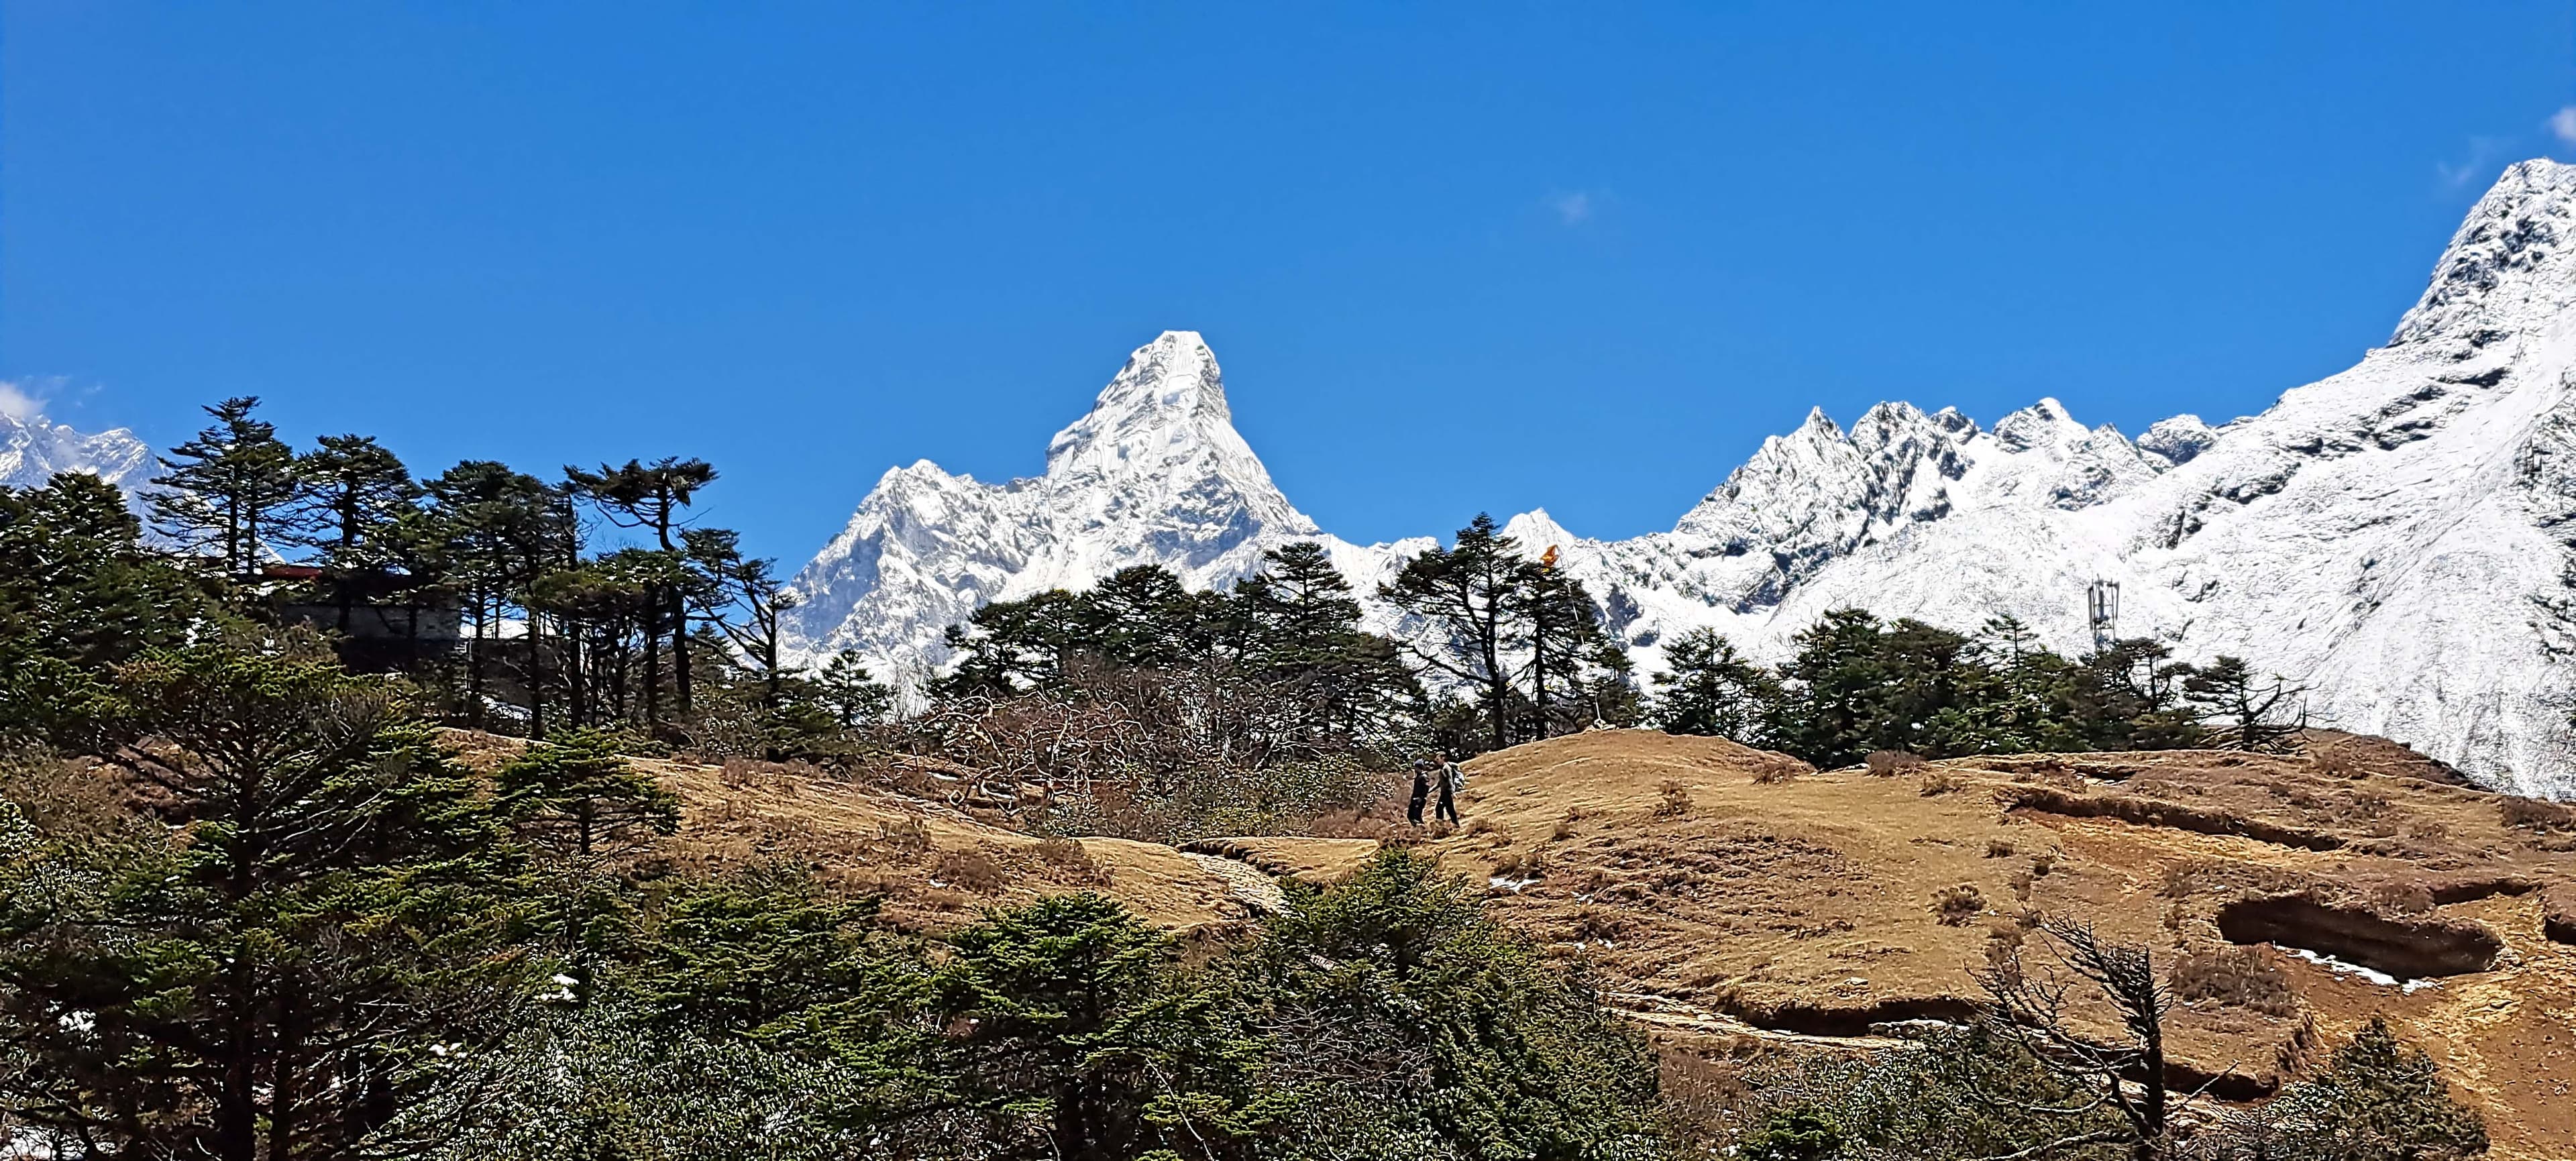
<point>33,449</point>
<point>1154,474</point>
<point>2400,537</point>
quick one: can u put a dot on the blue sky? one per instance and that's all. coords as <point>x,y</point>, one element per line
<point>1453,257</point>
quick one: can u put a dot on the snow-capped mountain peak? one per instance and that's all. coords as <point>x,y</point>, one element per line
<point>1163,428</point>
<point>2511,266</point>
<point>1169,398</point>
<point>2398,538</point>
<point>2176,440</point>
<point>33,449</point>
<point>1154,473</point>
<point>2042,424</point>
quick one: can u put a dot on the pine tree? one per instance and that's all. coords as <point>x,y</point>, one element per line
<point>1304,637</point>
<point>357,495</point>
<point>1434,1028</point>
<point>1142,618</point>
<point>738,583</point>
<point>231,492</point>
<point>1832,704</point>
<point>605,606</point>
<point>495,532</point>
<point>845,689</point>
<point>267,976</point>
<point>1924,671</point>
<point>1010,646</point>
<point>1609,693</point>
<point>580,803</point>
<point>2378,1099</point>
<point>1070,1025</point>
<point>1303,608</point>
<point>1467,593</point>
<point>2136,688</point>
<point>1707,688</point>
<point>577,799</point>
<point>78,593</point>
<point>651,498</point>
<point>1562,630</point>
<point>750,952</point>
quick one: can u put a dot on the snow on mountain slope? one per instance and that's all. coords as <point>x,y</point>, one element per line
<point>33,449</point>
<point>1154,474</point>
<point>2401,537</point>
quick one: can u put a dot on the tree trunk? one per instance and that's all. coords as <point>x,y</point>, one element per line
<point>1538,670</point>
<point>536,676</point>
<point>1498,683</point>
<point>2151,1104</point>
<point>767,619</point>
<point>284,1102</point>
<point>652,659</point>
<point>680,648</point>
<point>474,662</point>
<point>237,1112</point>
<point>575,697</point>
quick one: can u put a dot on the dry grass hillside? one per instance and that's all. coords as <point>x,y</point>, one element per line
<point>936,866</point>
<point>1718,885</point>
<point>1737,899</point>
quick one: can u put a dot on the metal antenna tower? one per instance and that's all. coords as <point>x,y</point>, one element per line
<point>2102,611</point>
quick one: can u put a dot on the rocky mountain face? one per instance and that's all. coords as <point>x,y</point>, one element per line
<point>2400,537</point>
<point>1154,474</point>
<point>33,448</point>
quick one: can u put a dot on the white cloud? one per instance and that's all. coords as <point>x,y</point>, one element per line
<point>16,402</point>
<point>2563,123</point>
<point>1573,209</point>
<point>2483,152</point>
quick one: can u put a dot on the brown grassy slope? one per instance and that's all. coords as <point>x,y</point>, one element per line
<point>1716,886</point>
<point>936,867</point>
<point>1701,881</point>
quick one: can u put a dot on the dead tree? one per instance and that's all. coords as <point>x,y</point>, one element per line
<point>2031,1001</point>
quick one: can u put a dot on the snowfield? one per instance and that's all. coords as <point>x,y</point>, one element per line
<point>2399,537</point>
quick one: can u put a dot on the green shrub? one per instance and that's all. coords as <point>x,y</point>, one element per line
<point>1796,1135</point>
<point>2377,1100</point>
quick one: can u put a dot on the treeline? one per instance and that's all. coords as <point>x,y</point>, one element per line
<point>281,922</point>
<point>1857,685</point>
<point>1500,649</point>
<point>1142,708</point>
<point>1285,643</point>
<point>588,599</point>
<point>1515,646</point>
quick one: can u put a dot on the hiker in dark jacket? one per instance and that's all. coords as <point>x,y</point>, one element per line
<point>1421,791</point>
<point>1451,779</point>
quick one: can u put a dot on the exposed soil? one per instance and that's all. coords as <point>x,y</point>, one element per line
<point>2407,948</point>
<point>2558,914</point>
<point>2150,812</point>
